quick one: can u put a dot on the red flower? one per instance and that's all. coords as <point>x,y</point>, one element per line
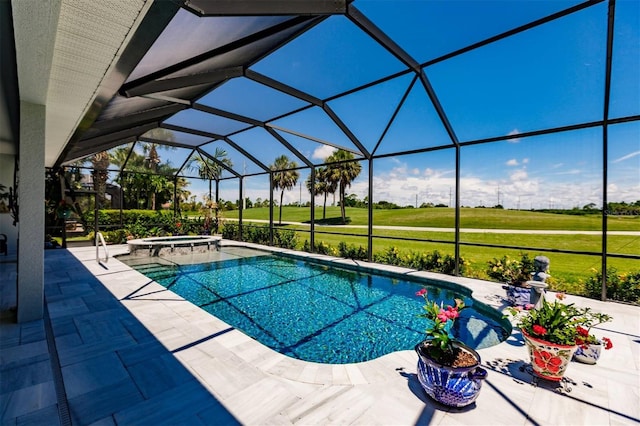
<point>421,292</point>
<point>560,296</point>
<point>582,331</point>
<point>178,224</point>
<point>607,343</point>
<point>547,362</point>
<point>539,330</point>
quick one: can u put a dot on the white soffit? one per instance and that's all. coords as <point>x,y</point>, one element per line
<point>89,37</point>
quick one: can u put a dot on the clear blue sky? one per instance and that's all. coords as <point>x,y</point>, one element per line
<point>549,76</point>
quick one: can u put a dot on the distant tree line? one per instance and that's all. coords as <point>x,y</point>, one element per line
<point>614,208</point>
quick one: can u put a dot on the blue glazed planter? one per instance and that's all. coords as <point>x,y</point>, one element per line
<point>518,296</point>
<point>455,387</point>
<point>590,354</point>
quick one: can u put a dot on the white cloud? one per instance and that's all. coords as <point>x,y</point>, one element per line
<point>519,175</point>
<point>415,171</point>
<point>626,157</point>
<point>569,172</point>
<point>513,133</point>
<point>558,185</point>
<point>322,152</point>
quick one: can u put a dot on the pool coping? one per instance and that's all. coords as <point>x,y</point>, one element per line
<point>258,385</point>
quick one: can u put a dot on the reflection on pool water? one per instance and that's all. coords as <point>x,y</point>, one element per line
<point>312,311</point>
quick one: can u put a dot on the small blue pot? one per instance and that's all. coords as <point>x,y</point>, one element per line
<point>454,387</point>
<point>589,354</point>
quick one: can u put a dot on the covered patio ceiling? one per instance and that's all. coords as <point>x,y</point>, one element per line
<point>262,78</point>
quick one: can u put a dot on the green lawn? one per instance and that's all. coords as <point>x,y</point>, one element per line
<point>569,271</point>
<point>444,218</point>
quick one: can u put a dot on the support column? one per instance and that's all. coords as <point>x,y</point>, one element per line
<point>31,224</point>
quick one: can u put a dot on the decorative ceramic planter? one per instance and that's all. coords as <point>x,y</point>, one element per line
<point>455,387</point>
<point>518,296</point>
<point>548,360</point>
<point>588,354</point>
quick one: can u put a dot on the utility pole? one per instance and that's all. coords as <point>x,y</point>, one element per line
<point>416,201</point>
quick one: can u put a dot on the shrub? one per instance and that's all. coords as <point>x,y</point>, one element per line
<point>284,238</point>
<point>622,287</point>
<point>118,236</point>
<point>421,261</point>
<point>137,230</point>
<point>350,251</point>
<point>391,256</point>
<point>146,217</point>
<point>231,231</point>
<point>509,270</point>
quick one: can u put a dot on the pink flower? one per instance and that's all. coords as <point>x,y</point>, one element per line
<point>560,296</point>
<point>442,315</point>
<point>452,313</point>
<point>421,292</point>
<point>529,306</point>
<point>539,330</point>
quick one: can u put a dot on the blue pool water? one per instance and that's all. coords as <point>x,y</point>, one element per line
<point>315,312</point>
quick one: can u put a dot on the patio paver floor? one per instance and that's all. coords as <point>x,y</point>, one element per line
<point>132,352</point>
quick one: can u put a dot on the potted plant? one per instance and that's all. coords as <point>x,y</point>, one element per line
<point>515,273</point>
<point>448,370</point>
<point>589,346</point>
<point>551,335</point>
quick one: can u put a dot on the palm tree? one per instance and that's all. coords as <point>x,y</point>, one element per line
<point>119,156</point>
<point>322,187</point>
<point>151,161</point>
<point>342,174</point>
<point>283,177</point>
<point>208,168</point>
<point>100,163</point>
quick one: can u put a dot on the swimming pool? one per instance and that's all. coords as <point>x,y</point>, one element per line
<point>315,312</point>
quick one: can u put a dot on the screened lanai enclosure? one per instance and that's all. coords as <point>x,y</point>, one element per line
<point>458,114</point>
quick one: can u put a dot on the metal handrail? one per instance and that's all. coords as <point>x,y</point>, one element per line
<point>104,244</point>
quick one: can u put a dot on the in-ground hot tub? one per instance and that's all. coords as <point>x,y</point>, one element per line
<point>180,244</point>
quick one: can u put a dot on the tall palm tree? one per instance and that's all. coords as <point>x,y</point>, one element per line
<point>342,174</point>
<point>100,163</point>
<point>209,169</point>
<point>119,155</point>
<point>151,161</point>
<point>283,177</point>
<point>322,187</point>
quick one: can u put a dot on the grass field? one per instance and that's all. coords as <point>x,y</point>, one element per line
<point>569,271</point>
<point>445,218</point>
